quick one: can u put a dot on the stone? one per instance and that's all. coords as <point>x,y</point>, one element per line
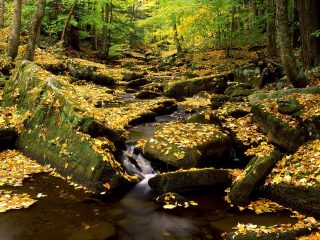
<point>190,180</point>
<point>294,182</point>
<point>217,100</point>
<point>255,172</point>
<point>289,106</point>
<point>129,76</point>
<point>188,145</point>
<point>137,83</point>
<point>52,132</point>
<point>90,71</point>
<point>190,87</point>
<point>145,94</point>
<point>289,131</point>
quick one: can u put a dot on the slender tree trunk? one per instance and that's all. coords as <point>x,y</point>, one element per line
<point>271,29</point>
<point>309,22</point>
<point>34,30</point>
<point>295,27</point>
<point>14,39</point>
<point>66,24</point>
<point>2,13</point>
<point>105,37</point>
<point>176,36</point>
<point>284,40</point>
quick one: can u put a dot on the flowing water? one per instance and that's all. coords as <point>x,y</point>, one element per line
<point>66,213</point>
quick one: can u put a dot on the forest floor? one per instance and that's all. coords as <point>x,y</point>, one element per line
<point>165,107</point>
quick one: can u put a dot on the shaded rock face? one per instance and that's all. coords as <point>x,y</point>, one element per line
<point>217,100</point>
<point>295,180</point>
<point>7,138</point>
<point>190,180</point>
<point>146,94</point>
<point>93,73</point>
<point>253,175</point>
<point>249,75</point>
<point>52,135</point>
<point>290,120</point>
<point>187,145</point>
<point>188,88</point>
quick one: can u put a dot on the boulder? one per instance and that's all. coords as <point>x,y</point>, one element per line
<point>52,132</point>
<point>250,75</point>
<point>190,180</point>
<point>217,100</point>
<point>90,71</point>
<point>129,76</point>
<point>190,87</point>
<point>138,83</point>
<point>145,94</point>
<point>289,131</point>
<point>295,180</point>
<point>255,172</point>
<point>187,145</point>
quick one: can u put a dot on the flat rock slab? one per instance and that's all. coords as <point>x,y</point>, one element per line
<point>187,145</point>
<point>190,87</point>
<point>295,181</point>
<point>55,131</point>
<point>289,130</point>
<point>190,180</point>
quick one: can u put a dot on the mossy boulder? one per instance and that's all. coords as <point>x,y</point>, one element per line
<point>295,180</point>
<point>253,175</point>
<point>286,123</point>
<point>146,94</point>
<point>90,71</point>
<point>52,133</point>
<point>138,83</point>
<point>217,100</point>
<point>188,145</point>
<point>190,87</point>
<point>190,180</point>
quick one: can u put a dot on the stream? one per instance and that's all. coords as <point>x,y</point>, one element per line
<point>66,213</point>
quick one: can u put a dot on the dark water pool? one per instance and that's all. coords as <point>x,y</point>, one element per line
<point>66,213</point>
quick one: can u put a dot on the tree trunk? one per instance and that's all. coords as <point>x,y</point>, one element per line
<point>295,27</point>
<point>309,22</point>
<point>66,24</point>
<point>34,30</point>
<point>176,37</point>
<point>284,40</point>
<point>271,29</point>
<point>2,13</point>
<point>14,39</point>
<point>105,39</point>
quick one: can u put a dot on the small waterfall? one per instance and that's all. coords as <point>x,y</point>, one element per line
<point>141,214</point>
<point>136,164</point>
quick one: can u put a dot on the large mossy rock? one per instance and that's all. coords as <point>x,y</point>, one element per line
<point>52,133</point>
<point>190,180</point>
<point>190,87</point>
<point>253,175</point>
<point>289,120</point>
<point>90,71</point>
<point>188,145</point>
<point>295,181</point>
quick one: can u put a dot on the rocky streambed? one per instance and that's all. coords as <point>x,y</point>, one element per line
<point>155,167</point>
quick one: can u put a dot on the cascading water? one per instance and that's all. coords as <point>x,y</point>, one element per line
<point>142,214</point>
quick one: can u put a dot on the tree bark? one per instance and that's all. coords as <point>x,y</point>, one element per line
<point>14,39</point>
<point>271,29</point>
<point>2,13</point>
<point>66,24</point>
<point>296,78</point>
<point>309,21</point>
<point>34,30</point>
<point>176,37</point>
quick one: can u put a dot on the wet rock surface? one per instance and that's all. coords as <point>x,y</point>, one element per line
<point>191,180</point>
<point>187,145</point>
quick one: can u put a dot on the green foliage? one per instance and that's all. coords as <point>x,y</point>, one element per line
<point>316,34</point>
